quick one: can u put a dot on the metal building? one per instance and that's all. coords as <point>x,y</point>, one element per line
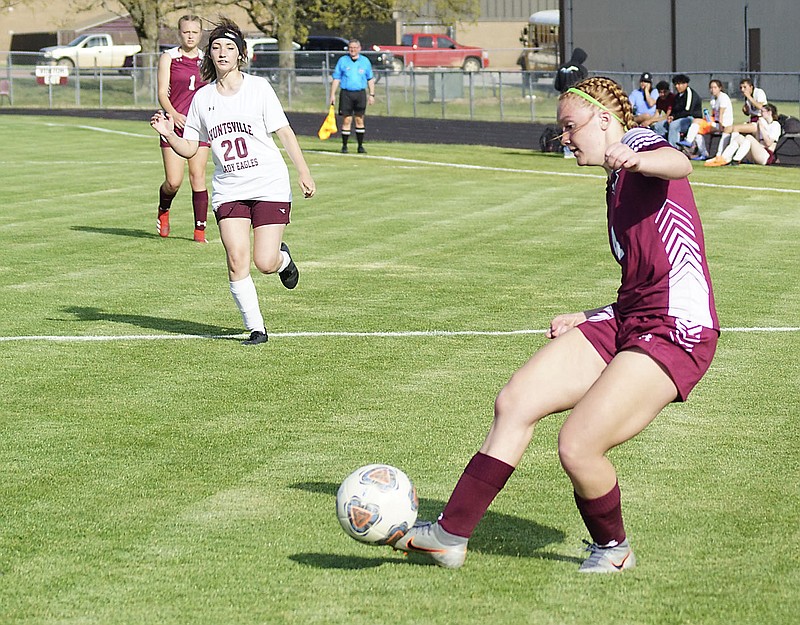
<point>733,37</point>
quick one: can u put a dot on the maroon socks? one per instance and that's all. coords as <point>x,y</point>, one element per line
<point>200,206</point>
<point>603,517</point>
<point>164,200</point>
<point>482,479</point>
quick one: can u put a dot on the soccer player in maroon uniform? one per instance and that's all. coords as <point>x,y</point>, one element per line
<point>617,366</point>
<point>178,81</point>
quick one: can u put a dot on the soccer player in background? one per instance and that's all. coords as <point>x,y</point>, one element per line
<point>616,366</point>
<point>237,114</point>
<point>178,81</point>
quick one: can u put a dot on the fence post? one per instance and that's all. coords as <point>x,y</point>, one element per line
<point>414,90</point>
<point>471,94</point>
<point>443,98</point>
<point>388,95</point>
<point>533,106</point>
<point>77,82</point>
<point>500,92</point>
<point>134,76</point>
<point>9,67</point>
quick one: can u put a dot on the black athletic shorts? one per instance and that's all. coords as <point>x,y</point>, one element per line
<point>352,102</point>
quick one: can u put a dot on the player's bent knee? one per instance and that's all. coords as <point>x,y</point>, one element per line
<point>575,455</point>
<point>510,410</point>
<point>171,187</point>
<point>268,265</point>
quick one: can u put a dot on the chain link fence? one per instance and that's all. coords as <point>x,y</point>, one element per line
<point>487,95</point>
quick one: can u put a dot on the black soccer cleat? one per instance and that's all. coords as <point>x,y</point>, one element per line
<point>291,274</point>
<point>256,338</point>
<point>362,149</point>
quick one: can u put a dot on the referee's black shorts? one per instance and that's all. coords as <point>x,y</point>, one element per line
<point>352,102</point>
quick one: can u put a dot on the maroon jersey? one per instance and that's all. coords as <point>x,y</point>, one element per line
<point>184,79</point>
<point>656,236</point>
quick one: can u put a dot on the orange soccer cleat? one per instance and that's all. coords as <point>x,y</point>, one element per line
<point>162,223</point>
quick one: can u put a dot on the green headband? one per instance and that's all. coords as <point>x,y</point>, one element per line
<point>597,103</point>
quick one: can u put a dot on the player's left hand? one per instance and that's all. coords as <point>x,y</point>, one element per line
<point>619,155</point>
<point>308,186</point>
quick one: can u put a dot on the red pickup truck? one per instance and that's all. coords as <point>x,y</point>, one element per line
<point>428,50</point>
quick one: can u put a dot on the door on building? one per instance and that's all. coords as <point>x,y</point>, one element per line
<point>754,49</point>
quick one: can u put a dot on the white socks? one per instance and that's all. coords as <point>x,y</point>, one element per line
<point>692,133</point>
<point>737,149</point>
<point>723,142</point>
<point>285,260</point>
<point>701,144</point>
<point>244,294</point>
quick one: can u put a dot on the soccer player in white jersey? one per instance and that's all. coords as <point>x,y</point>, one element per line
<point>616,366</point>
<point>237,114</point>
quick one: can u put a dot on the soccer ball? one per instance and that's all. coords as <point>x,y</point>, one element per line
<point>376,504</point>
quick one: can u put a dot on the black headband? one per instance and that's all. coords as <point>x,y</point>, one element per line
<point>227,34</point>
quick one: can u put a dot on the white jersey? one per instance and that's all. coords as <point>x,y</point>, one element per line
<point>723,103</point>
<point>249,166</point>
<point>760,97</point>
<point>773,132</point>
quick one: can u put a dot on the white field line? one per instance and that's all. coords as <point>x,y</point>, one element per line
<point>279,335</point>
<point>107,130</point>
<point>544,172</point>
<point>538,172</point>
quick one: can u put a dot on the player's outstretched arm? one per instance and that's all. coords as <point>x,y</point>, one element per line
<point>666,163</point>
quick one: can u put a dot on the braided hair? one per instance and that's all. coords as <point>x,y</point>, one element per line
<point>610,94</point>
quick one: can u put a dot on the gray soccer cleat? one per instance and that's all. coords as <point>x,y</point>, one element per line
<point>427,538</point>
<point>608,559</point>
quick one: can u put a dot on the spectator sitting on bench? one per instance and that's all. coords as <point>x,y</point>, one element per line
<point>719,119</point>
<point>758,148</point>
<point>643,100</point>
<point>663,104</point>
<point>754,101</point>
<point>687,106</point>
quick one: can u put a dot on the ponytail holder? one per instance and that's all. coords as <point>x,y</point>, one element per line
<point>597,103</point>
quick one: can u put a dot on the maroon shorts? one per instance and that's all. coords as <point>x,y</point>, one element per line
<point>259,212</point>
<point>685,350</point>
<point>179,132</point>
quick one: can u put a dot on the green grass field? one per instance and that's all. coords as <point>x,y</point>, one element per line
<point>157,472</point>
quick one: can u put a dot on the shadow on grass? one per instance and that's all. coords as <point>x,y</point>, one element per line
<point>497,534</point>
<point>120,232</point>
<point>336,561</point>
<point>175,326</point>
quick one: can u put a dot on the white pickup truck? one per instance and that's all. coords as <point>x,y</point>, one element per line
<point>90,51</point>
